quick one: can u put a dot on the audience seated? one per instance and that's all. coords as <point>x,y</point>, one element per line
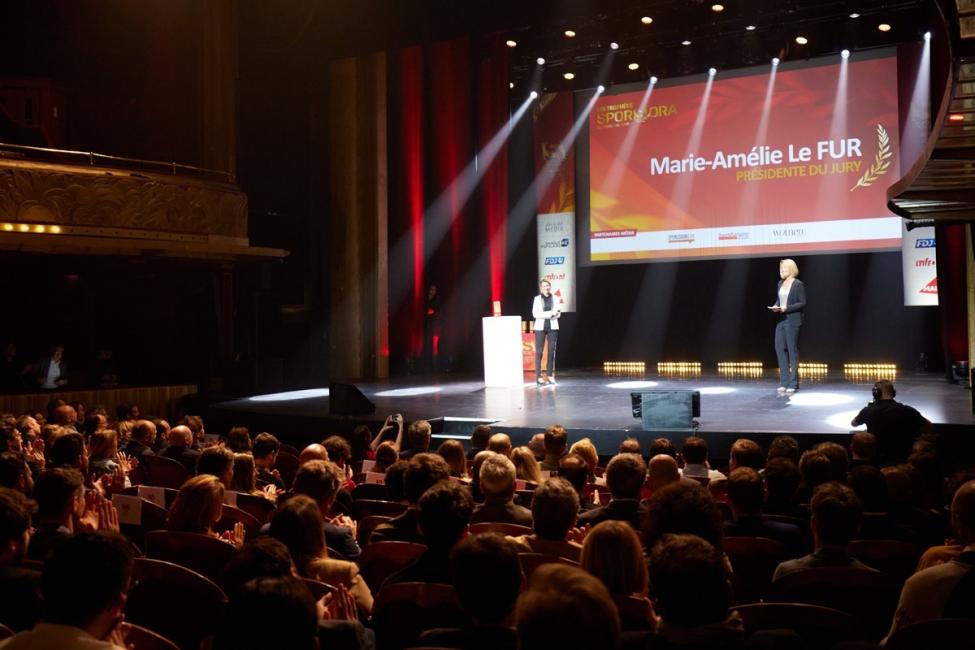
<point>814,470</point>
<point>298,524</point>
<point>555,508</point>
<point>423,472</point>
<point>630,446</point>
<point>663,446</point>
<point>537,445</point>
<point>556,440</point>
<point>839,461</point>
<point>83,586</point>
<point>926,593</point>
<point>219,462</point>
<point>180,448</point>
<point>386,455</point>
<point>575,470</point>
<point>419,435</point>
<point>863,449</point>
<point>587,451</point>
<point>313,451</point>
<point>60,497</point>
<point>782,489</point>
<point>487,578</point>
<point>682,508</point>
<point>239,440</point>
<point>395,475</point>
<point>20,605</point>
<point>783,447</point>
<point>696,466</point>
<point>746,453</point>
<point>497,480</point>
<point>195,424</point>
<point>245,478</point>
<point>691,595</point>
<point>262,557</point>
<point>871,489</point>
<point>339,453</point>
<point>662,470</point>
<point>453,452</point>
<point>834,522</point>
<point>265,450</point>
<point>612,552</point>
<point>565,607</point>
<point>526,467</point>
<point>321,481</point>
<point>479,440</point>
<point>500,443</point>
<point>198,507</point>
<point>270,614</point>
<point>15,473</point>
<point>143,439</point>
<point>625,475</point>
<point>746,492</point>
<point>444,515</point>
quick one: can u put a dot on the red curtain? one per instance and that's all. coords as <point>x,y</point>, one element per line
<point>493,114</point>
<point>952,288</point>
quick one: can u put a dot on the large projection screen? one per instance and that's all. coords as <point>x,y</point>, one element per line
<point>759,163</point>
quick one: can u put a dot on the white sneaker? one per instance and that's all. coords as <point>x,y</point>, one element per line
<point>551,381</point>
<point>780,390</point>
<point>789,391</point>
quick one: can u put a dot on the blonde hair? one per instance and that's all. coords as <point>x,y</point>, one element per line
<point>612,552</point>
<point>453,452</point>
<point>791,266</point>
<point>103,444</point>
<point>526,467</point>
<point>587,450</point>
<point>198,505</point>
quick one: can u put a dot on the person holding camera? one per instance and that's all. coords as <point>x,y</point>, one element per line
<point>546,316</point>
<point>896,425</point>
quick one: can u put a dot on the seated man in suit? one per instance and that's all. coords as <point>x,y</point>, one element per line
<point>834,522</point>
<point>180,448</point>
<point>497,481</point>
<point>423,472</point>
<point>625,475</point>
<point>555,508</point>
<point>746,492</point>
<point>444,516</point>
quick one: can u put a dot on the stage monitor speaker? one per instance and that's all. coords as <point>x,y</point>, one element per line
<point>661,410</point>
<point>347,399</point>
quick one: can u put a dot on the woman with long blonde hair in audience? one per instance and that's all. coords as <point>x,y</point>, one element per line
<point>613,553</point>
<point>587,450</point>
<point>198,507</point>
<point>453,452</point>
<point>298,524</point>
<point>526,466</point>
<point>245,478</point>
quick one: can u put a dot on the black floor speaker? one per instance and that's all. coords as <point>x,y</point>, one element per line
<point>347,399</point>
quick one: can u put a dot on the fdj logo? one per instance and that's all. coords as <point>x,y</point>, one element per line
<point>554,260</point>
<point>565,242</point>
<point>925,243</point>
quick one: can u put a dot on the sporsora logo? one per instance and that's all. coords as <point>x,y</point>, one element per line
<point>925,243</point>
<point>549,261</point>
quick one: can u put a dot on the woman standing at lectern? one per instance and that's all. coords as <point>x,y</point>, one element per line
<point>790,302</point>
<point>546,317</point>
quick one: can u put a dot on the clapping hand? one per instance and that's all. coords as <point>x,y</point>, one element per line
<point>348,522</point>
<point>340,605</point>
<point>234,537</point>
<point>271,492</point>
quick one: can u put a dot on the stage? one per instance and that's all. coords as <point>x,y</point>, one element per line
<point>591,403</point>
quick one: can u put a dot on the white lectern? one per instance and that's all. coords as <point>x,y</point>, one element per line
<point>502,351</point>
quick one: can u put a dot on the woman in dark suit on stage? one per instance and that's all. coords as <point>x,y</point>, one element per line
<point>790,301</point>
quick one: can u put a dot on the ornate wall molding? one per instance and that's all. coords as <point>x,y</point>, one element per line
<point>71,195</point>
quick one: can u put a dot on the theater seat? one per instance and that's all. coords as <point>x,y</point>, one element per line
<point>819,627</point>
<point>164,472</point>
<point>935,635</point>
<point>141,638</point>
<point>511,530</point>
<point>380,560</point>
<point>203,554</point>
<point>754,560</point>
<point>402,612</point>
<point>531,561</point>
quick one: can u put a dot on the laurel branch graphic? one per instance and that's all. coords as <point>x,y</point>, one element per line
<point>881,162</point>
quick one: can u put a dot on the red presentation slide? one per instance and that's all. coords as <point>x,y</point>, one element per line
<point>785,162</point>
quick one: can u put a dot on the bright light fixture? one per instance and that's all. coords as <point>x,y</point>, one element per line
<point>633,66</point>
<point>750,28</point>
<point>801,40</point>
<point>717,7</point>
<point>854,15</point>
<point>569,76</point>
<point>614,45</point>
<point>540,60</point>
<point>511,43</point>
<point>712,72</point>
<point>845,54</point>
<point>775,60</point>
<point>570,33</point>
<point>533,94</point>
<point>884,27</point>
<point>653,81</point>
<point>646,20</point>
<point>631,385</point>
<point>685,42</point>
<point>290,395</point>
<point>600,88</point>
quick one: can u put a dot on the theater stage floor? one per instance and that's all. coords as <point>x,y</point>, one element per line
<point>598,405</point>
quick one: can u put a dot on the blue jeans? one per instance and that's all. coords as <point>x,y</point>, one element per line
<point>787,350</point>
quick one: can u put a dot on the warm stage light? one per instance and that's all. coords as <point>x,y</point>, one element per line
<point>614,45</point>
<point>511,43</point>
<point>801,40</point>
<point>717,8</point>
<point>712,72</point>
<point>23,227</point>
<point>884,27</point>
<point>570,34</point>
<point>54,229</point>
<point>685,42</point>
<point>845,54</point>
<point>569,76</point>
<point>8,227</point>
<point>646,20</point>
<point>775,60</point>
<point>750,28</point>
<point>540,60</point>
<point>633,66</point>
<point>38,228</point>
<point>956,117</point>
